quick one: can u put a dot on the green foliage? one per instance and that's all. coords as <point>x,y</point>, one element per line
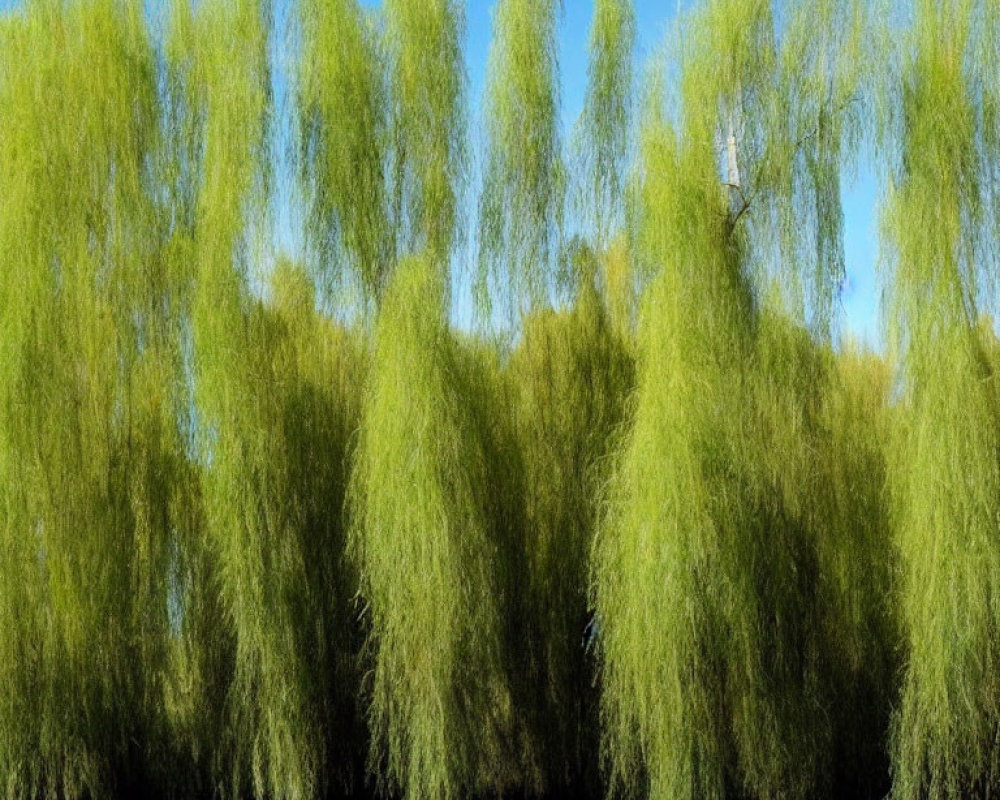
<point>781,90</point>
<point>88,435</point>
<point>274,416</point>
<point>858,568</point>
<point>424,43</point>
<point>659,716</point>
<point>617,280</point>
<point>823,84</point>
<point>944,736</point>
<point>714,568</point>
<point>250,550</point>
<point>429,544</point>
<point>823,428</point>
<point>521,205</point>
<point>571,375</point>
<point>344,141</point>
<point>605,126</point>
<point>822,97</point>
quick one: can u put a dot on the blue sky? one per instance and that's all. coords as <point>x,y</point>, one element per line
<point>860,299</point>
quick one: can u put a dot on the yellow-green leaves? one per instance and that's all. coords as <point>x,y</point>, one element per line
<point>84,527</point>
<point>521,206</point>
<point>714,541</point>
<point>822,101</point>
<point>944,742</point>
<point>432,554</point>
<point>273,418</point>
<point>571,375</point>
<point>604,131</point>
<point>781,94</point>
<point>344,136</point>
<point>424,48</point>
<point>250,550</point>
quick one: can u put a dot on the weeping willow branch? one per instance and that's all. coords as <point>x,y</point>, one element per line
<point>424,42</point>
<point>344,144</point>
<point>88,435</point>
<point>522,200</point>
<point>945,731</point>
<point>572,376</point>
<point>604,130</point>
<point>433,564</point>
<point>707,561</point>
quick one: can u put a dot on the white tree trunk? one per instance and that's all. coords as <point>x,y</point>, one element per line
<point>733,175</point>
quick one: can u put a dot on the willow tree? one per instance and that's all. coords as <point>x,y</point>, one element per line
<point>88,430</point>
<point>320,414</point>
<point>571,375</point>
<point>426,72</point>
<point>216,66</point>
<point>603,135</point>
<point>431,536</point>
<point>434,556</point>
<point>944,466</point>
<point>602,146</point>
<point>821,426</point>
<point>706,566</point>
<point>817,124</point>
<point>829,461</point>
<point>272,513</point>
<point>797,117</point>
<point>343,113</point>
<point>676,622</point>
<point>851,517</point>
<point>521,205</point>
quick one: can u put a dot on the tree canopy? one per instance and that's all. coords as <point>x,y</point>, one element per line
<point>273,525</point>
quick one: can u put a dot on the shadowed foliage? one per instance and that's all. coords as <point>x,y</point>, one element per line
<point>432,562</point>
<point>89,442</point>
<point>572,377</point>
<point>274,416</point>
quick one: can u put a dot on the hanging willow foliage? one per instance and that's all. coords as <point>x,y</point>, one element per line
<point>617,279</point>
<point>706,569</point>
<point>424,43</point>
<point>571,375</point>
<point>244,547</point>
<point>88,439</point>
<point>821,425</point>
<point>215,94</point>
<point>434,555</point>
<point>662,713</point>
<point>787,106</point>
<point>850,515</point>
<point>605,127</point>
<point>320,415</point>
<point>944,452</point>
<point>344,143</point>
<point>221,74</point>
<point>274,422</point>
<point>521,205</point>
<point>821,97</point>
